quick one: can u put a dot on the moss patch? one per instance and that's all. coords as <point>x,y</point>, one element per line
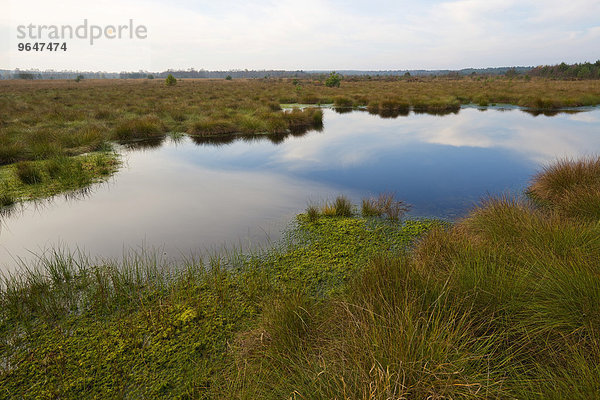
<point>30,180</point>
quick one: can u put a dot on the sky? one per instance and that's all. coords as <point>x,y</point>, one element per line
<point>304,35</point>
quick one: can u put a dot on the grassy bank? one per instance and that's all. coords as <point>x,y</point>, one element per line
<point>503,304</point>
<point>30,180</point>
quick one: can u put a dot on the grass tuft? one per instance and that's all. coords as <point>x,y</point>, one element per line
<point>28,172</point>
<point>140,128</point>
<point>570,187</point>
<point>312,213</point>
<point>341,207</point>
<point>385,204</point>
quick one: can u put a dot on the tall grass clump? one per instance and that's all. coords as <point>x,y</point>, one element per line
<point>391,105</point>
<point>28,172</point>
<point>212,127</point>
<point>369,208</point>
<point>388,335</point>
<point>343,102</point>
<point>312,213</point>
<point>341,207</point>
<point>7,198</point>
<point>139,128</point>
<point>304,119</point>
<point>384,204</point>
<point>569,186</point>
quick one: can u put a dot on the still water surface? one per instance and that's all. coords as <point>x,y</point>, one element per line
<point>185,197</point>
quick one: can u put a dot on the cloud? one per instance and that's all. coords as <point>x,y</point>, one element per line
<point>313,34</point>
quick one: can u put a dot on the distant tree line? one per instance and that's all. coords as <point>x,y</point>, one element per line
<point>561,71</point>
<point>51,74</point>
<point>568,71</point>
<point>204,74</point>
<point>260,74</point>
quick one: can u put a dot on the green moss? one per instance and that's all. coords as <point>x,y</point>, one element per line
<point>38,179</point>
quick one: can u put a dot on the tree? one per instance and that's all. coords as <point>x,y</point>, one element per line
<point>228,77</point>
<point>79,78</point>
<point>584,72</point>
<point>511,73</point>
<point>25,75</point>
<point>333,80</point>
<point>170,81</point>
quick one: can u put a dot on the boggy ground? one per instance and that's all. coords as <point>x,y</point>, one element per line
<point>503,304</point>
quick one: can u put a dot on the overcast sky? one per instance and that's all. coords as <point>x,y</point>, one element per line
<point>309,34</point>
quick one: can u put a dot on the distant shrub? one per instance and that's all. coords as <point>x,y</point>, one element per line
<point>333,80</point>
<point>79,78</point>
<point>228,77</point>
<point>170,81</point>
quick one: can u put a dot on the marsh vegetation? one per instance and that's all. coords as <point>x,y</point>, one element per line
<point>41,120</point>
<point>500,304</point>
<point>353,302</point>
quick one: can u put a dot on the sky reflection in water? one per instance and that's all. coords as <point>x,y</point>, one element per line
<point>186,197</point>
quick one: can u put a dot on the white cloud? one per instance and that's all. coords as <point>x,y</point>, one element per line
<point>318,34</point>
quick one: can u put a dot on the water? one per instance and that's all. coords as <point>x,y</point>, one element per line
<point>184,197</point>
